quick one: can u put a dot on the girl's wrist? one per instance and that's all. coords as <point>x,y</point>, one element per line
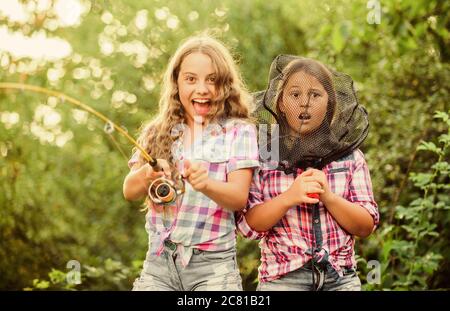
<point>289,198</point>
<point>207,186</point>
<point>327,198</point>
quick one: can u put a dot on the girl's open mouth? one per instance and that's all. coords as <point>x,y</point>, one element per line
<point>201,106</point>
<point>304,116</point>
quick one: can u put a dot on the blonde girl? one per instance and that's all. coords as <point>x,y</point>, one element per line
<point>202,131</point>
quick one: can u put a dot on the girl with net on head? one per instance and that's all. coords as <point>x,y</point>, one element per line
<point>201,133</point>
<point>307,205</point>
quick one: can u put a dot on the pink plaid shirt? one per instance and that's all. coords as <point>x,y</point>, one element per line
<point>290,243</point>
<point>195,221</point>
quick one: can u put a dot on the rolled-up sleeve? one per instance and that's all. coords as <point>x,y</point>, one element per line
<point>255,198</point>
<point>360,188</point>
<point>134,159</point>
<point>243,148</point>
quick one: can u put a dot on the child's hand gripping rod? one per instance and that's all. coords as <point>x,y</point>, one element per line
<point>312,195</point>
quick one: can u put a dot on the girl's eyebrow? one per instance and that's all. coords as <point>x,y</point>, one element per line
<point>194,74</point>
<point>311,89</point>
<point>189,73</point>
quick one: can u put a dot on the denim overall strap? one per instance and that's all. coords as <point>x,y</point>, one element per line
<point>319,255</point>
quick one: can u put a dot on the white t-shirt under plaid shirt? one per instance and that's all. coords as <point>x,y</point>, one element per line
<point>196,221</point>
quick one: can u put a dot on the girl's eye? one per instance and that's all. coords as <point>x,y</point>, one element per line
<point>315,95</point>
<point>190,79</point>
<point>212,79</point>
<point>295,95</point>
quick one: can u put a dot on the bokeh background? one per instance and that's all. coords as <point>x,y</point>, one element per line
<point>61,173</point>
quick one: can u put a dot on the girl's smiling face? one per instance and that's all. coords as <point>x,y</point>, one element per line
<point>197,87</point>
<point>304,102</point>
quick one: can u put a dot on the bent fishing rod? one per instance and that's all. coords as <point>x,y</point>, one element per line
<point>161,190</point>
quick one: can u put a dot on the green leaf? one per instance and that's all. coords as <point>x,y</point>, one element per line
<point>421,180</point>
<point>429,146</point>
<point>57,276</point>
<point>444,138</point>
<point>337,38</point>
<point>442,115</point>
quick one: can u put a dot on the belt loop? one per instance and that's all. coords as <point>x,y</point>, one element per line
<point>196,251</point>
<point>171,245</point>
<point>320,276</point>
<point>321,279</point>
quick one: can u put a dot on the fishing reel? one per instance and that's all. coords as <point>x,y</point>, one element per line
<point>165,191</point>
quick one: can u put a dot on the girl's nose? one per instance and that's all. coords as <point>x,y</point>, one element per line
<point>305,101</point>
<point>202,88</point>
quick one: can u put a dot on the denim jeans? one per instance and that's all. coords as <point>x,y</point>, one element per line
<point>207,270</point>
<point>302,280</point>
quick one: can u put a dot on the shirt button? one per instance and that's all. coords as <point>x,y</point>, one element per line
<point>316,221</point>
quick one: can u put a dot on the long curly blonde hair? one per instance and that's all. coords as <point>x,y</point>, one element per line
<point>232,101</point>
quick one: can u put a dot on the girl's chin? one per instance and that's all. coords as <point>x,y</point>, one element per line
<point>304,130</point>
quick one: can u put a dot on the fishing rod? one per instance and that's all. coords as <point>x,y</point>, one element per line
<point>162,190</point>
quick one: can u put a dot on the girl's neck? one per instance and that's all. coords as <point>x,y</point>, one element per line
<point>195,130</point>
<point>195,124</point>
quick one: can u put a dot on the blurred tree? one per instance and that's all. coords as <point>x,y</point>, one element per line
<point>61,174</point>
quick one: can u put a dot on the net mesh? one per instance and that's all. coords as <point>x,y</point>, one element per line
<point>317,113</point>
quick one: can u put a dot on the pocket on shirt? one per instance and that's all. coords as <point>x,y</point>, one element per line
<point>338,178</point>
<point>336,170</point>
<point>217,164</point>
<point>218,154</point>
<point>218,161</point>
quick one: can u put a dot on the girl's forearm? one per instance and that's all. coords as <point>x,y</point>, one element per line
<point>264,216</point>
<point>350,216</point>
<point>133,187</point>
<point>229,195</point>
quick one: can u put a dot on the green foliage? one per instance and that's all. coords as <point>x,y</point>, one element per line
<point>248,255</point>
<point>423,214</point>
<point>412,249</point>
<point>111,274</point>
<point>61,174</point>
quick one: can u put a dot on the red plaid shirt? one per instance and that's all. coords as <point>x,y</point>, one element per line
<point>287,246</point>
